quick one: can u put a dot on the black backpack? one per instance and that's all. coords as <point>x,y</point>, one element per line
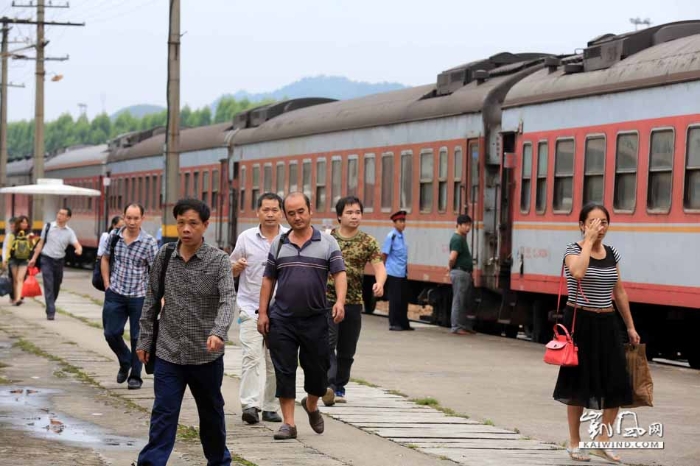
<point>97,280</point>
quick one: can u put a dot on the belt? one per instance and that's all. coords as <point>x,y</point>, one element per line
<point>462,269</point>
<point>597,310</point>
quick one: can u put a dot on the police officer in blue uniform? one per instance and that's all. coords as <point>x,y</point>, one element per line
<point>395,256</point>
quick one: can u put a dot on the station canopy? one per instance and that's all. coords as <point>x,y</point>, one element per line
<point>50,186</point>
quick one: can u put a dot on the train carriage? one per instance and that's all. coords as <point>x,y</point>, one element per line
<point>431,150</point>
<point>618,124</point>
<point>19,172</point>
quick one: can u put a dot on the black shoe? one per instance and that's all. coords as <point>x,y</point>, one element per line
<point>396,328</point>
<point>408,328</point>
<point>250,416</point>
<point>271,416</point>
<point>50,317</point>
<point>134,383</point>
<point>123,374</point>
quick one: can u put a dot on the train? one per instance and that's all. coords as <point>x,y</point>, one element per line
<point>519,141</point>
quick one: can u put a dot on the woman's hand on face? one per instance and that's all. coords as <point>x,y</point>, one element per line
<point>633,336</point>
<point>593,229</point>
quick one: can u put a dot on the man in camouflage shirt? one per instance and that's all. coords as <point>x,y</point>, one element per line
<point>358,248</point>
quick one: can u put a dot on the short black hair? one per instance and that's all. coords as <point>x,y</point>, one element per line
<point>134,204</point>
<point>464,218</point>
<point>115,220</point>
<point>183,205</point>
<point>270,197</point>
<point>68,211</point>
<point>346,201</point>
<point>298,193</point>
<point>590,207</point>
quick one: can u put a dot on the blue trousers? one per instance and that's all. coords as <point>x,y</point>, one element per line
<point>52,276</point>
<point>117,309</point>
<point>170,381</point>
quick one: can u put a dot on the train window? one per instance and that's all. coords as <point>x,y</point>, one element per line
<point>293,177</point>
<point>352,175</point>
<point>255,190</point>
<point>541,188</point>
<point>442,180</point>
<point>321,185</point>
<point>563,176</point>
<point>280,179</point>
<point>214,189</point>
<point>457,180</point>
<point>660,170</point>
<point>195,184</point>
<point>406,194</point>
<point>120,202</point>
<point>205,187</point>
<point>594,170</point>
<point>692,170</point>
<point>427,173</point>
<point>336,179</point>
<point>139,190</point>
<point>626,172</point>
<point>526,179</point>
<point>242,188</point>
<point>387,180</point>
<point>155,186</point>
<point>306,177</point>
<point>475,178</point>
<point>187,185</point>
<point>147,194</point>
<point>370,173</point>
<point>267,178</point>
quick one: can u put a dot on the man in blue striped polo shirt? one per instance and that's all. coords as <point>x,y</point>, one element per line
<point>297,326</point>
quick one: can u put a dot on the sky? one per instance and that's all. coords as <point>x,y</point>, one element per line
<point>120,57</point>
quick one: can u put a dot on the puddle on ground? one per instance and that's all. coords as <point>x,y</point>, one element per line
<point>27,408</point>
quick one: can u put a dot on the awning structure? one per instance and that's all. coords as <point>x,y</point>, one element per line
<point>50,186</point>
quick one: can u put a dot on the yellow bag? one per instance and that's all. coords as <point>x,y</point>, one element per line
<point>640,376</point>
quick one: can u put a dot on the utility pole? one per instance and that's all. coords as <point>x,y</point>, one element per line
<point>3,130</point>
<point>172,138</point>
<point>39,150</point>
<point>638,22</point>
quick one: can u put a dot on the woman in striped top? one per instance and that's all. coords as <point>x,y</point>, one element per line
<point>600,381</point>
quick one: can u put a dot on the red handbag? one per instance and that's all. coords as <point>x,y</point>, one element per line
<point>562,351</point>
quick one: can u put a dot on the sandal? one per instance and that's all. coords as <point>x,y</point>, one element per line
<point>607,453</point>
<point>577,455</point>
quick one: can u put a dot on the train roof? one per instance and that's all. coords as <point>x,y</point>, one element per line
<point>657,56</point>
<point>20,167</point>
<point>191,139</point>
<point>78,156</point>
<point>464,89</point>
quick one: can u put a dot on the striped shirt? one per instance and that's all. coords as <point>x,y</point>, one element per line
<point>131,264</point>
<point>302,274</point>
<point>199,298</point>
<point>599,281</point>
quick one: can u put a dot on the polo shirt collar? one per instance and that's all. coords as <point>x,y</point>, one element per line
<point>315,236</point>
<point>259,234</point>
<point>140,237</point>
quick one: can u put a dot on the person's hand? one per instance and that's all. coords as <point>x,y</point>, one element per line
<point>633,336</point>
<point>142,355</point>
<point>214,344</point>
<point>338,313</point>
<point>79,252</point>
<point>592,230</point>
<point>377,290</point>
<point>3,265</point>
<point>240,265</point>
<point>31,263</point>
<point>263,324</point>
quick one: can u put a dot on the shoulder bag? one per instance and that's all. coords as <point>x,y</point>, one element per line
<point>151,364</point>
<point>562,351</point>
<point>97,280</point>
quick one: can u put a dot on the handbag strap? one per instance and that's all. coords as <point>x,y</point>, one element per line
<point>578,289</point>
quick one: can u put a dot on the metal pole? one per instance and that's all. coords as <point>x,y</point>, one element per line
<point>172,139</point>
<point>3,131</point>
<point>38,171</point>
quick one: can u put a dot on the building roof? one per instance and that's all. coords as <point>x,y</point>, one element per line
<point>80,156</point>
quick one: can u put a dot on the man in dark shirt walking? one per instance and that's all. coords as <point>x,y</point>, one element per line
<point>460,270</point>
<point>194,323</point>
<point>297,325</point>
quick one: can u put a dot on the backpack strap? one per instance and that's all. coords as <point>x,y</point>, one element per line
<point>113,240</point>
<point>161,282</point>
<point>283,237</point>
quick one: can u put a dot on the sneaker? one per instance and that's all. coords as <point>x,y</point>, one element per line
<point>250,416</point>
<point>329,398</point>
<point>340,396</point>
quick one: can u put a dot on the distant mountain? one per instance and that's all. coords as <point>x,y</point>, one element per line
<point>138,111</point>
<point>334,87</point>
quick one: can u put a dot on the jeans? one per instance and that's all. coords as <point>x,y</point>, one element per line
<point>342,340</point>
<point>257,371</point>
<point>461,292</point>
<point>52,275</point>
<point>170,381</point>
<point>117,309</point>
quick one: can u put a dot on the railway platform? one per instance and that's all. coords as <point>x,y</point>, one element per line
<point>417,398</point>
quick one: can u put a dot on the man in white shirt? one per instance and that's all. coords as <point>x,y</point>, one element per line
<point>248,261</point>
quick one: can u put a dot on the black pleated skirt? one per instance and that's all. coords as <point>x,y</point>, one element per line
<point>601,380</point>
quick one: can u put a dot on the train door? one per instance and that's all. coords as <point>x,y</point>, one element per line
<point>471,163</point>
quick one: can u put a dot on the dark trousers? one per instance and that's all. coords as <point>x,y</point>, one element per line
<point>52,275</point>
<point>342,341</point>
<point>305,339</point>
<point>169,385</point>
<point>116,311</point>
<point>397,290</point>
<point>12,283</point>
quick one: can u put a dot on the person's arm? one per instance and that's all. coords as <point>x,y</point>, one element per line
<point>74,242</point>
<point>386,248</point>
<point>623,305</point>
<point>6,248</point>
<point>379,269</point>
<point>224,316</point>
<point>238,261</point>
<point>37,251</point>
<point>267,287</point>
<point>104,269</point>
<point>340,280</point>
